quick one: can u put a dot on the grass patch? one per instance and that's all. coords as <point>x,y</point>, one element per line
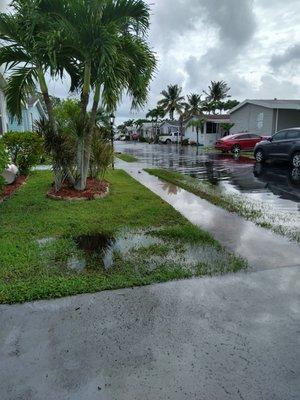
<point>126,157</point>
<point>36,240</point>
<point>234,203</point>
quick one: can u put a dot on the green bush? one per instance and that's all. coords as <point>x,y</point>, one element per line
<point>185,142</point>
<point>142,139</point>
<point>101,155</point>
<point>3,163</point>
<point>25,149</point>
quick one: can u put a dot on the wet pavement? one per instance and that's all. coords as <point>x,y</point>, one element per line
<point>275,186</point>
<point>231,338</point>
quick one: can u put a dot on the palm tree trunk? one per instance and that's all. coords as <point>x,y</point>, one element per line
<point>83,151</point>
<point>49,106</point>
<point>47,100</point>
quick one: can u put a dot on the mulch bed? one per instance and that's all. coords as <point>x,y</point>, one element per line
<point>10,189</point>
<point>94,190</point>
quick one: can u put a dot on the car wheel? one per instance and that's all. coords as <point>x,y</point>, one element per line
<point>296,159</point>
<point>236,148</point>
<point>168,141</point>
<point>259,156</point>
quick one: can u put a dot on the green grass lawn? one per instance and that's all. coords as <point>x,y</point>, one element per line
<point>126,157</point>
<point>29,271</point>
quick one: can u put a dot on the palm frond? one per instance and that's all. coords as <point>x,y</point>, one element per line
<point>20,85</point>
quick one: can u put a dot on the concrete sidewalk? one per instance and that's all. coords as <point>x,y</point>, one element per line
<point>230,337</point>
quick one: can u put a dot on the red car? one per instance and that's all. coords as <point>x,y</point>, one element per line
<point>238,142</point>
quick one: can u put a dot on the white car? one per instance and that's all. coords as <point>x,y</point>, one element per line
<point>169,138</point>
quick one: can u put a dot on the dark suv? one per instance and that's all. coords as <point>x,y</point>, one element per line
<point>284,145</point>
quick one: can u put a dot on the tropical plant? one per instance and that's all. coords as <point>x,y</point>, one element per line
<point>24,148</point>
<point>194,104</point>
<point>61,148</point>
<point>3,163</point>
<point>217,91</point>
<point>102,155</point>
<point>154,115</point>
<point>229,104</point>
<point>197,124</point>
<point>226,126</point>
<point>100,44</point>
<point>172,100</point>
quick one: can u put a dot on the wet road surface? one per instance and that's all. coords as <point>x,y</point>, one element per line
<point>222,338</point>
<point>276,185</point>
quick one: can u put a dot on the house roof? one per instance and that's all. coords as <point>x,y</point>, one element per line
<point>170,122</point>
<point>273,104</point>
<point>212,117</point>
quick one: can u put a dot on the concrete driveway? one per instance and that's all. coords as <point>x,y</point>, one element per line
<point>231,337</point>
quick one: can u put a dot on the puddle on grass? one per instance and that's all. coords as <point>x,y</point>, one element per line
<point>139,248</point>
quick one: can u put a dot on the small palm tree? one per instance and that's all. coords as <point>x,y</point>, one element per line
<point>197,124</point>
<point>226,126</point>
<point>172,100</point>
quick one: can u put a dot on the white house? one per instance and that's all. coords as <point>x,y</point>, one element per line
<point>168,127</point>
<point>212,129</point>
<point>147,130</point>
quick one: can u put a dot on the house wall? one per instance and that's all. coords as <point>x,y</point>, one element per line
<point>288,119</point>
<point>167,128</point>
<point>253,119</point>
<point>205,139</point>
<point>29,116</point>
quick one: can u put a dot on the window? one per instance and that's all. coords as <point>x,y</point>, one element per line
<point>252,136</point>
<point>242,137</point>
<point>212,127</point>
<point>294,134</point>
<point>175,133</point>
<point>280,135</point>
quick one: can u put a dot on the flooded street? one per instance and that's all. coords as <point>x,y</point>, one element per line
<point>274,187</point>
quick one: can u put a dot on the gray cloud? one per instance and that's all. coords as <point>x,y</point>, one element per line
<point>292,54</point>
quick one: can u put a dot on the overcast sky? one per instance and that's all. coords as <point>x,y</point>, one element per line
<point>254,45</point>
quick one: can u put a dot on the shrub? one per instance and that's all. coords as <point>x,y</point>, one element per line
<point>101,155</point>
<point>3,163</point>
<point>185,142</point>
<point>142,139</point>
<point>25,149</point>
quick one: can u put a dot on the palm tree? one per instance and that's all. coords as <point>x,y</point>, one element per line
<point>154,114</point>
<point>99,43</point>
<point>194,104</point>
<point>197,124</point>
<point>217,91</point>
<point>172,100</point>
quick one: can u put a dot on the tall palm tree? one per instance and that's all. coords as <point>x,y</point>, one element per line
<point>99,43</point>
<point>172,100</point>
<point>194,104</point>
<point>217,91</point>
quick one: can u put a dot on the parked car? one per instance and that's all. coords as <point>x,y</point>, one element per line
<point>135,136</point>
<point>284,145</point>
<point>282,181</point>
<point>238,142</point>
<point>168,138</point>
